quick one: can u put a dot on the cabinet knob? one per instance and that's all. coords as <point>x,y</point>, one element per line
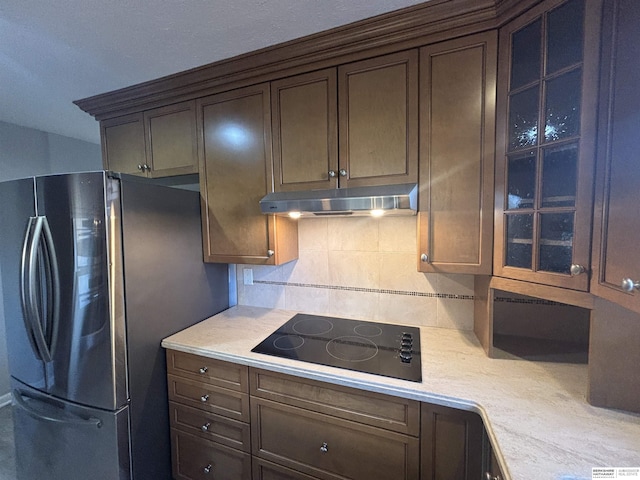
<point>343,172</point>
<point>424,258</point>
<point>146,167</point>
<point>204,398</point>
<point>270,253</point>
<point>205,427</point>
<point>207,469</point>
<point>629,285</point>
<point>324,448</point>
<point>577,270</point>
<point>491,476</point>
<point>332,173</point>
<point>141,167</point>
<point>203,370</point>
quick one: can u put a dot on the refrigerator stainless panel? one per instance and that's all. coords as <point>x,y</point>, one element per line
<point>62,440</point>
<point>17,207</point>
<point>88,363</point>
<point>115,265</point>
<point>168,287</point>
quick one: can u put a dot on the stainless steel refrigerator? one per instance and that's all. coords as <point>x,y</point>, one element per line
<point>96,269</point>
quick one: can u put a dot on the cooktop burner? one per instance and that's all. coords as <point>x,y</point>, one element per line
<point>378,348</point>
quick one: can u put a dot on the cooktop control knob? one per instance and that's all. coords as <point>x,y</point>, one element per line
<point>405,357</point>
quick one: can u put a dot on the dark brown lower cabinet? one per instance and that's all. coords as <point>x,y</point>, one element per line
<point>491,467</point>
<point>198,459</point>
<point>301,429</point>
<point>264,470</point>
<point>451,444</point>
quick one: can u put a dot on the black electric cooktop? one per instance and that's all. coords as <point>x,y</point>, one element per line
<point>378,348</point>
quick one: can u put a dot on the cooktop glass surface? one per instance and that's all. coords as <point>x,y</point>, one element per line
<point>371,347</point>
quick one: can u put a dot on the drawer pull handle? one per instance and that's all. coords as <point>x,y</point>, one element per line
<point>324,448</point>
<point>205,427</point>
<point>203,370</point>
<point>208,468</point>
<point>204,398</point>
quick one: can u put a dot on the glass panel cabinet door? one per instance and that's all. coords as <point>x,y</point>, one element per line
<point>545,150</point>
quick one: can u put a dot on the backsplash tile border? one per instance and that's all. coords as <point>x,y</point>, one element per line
<point>450,296</point>
<point>368,290</point>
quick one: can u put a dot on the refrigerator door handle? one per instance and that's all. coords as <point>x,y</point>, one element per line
<point>58,415</point>
<point>34,298</point>
<point>25,297</point>
<point>53,279</point>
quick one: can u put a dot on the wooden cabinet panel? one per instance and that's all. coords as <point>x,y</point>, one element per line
<point>214,399</point>
<point>263,470</point>
<point>305,131</point>
<point>302,429</point>
<point>157,143</point>
<point>170,135</point>
<point>457,146</point>
<point>392,413</point>
<point>329,447</point>
<point>123,144</point>
<point>210,426</point>
<point>545,148</point>
<point>195,459</point>
<point>451,446</point>
<point>378,120</point>
<point>617,222</point>
<point>235,129</point>
<point>208,370</point>
<point>491,466</point>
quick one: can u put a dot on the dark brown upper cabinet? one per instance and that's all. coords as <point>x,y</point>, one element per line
<point>305,131</point>
<point>156,143</point>
<point>354,125</point>
<point>457,147</point>
<point>545,148</point>
<point>235,144</point>
<point>170,137</point>
<point>616,264</point>
<point>123,147</point>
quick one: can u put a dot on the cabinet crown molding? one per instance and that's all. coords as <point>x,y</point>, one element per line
<point>414,26</point>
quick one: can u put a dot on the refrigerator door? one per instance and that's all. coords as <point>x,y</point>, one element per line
<point>17,211</point>
<point>84,336</point>
<point>58,439</point>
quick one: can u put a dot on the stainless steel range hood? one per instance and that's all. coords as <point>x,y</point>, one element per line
<point>357,201</point>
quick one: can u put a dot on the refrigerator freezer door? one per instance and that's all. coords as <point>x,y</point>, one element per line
<point>57,439</point>
<point>17,208</point>
<point>88,363</point>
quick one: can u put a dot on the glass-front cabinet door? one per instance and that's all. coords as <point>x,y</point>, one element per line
<point>545,144</point>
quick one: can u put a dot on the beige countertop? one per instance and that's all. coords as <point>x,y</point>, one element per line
<point>535,413</point>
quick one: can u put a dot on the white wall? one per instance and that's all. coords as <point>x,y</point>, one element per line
<point>25,152</point>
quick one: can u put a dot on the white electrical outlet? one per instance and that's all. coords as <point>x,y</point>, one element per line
<point>248,276</point>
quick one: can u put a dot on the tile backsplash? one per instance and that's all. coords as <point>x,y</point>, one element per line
<point>361,268</point>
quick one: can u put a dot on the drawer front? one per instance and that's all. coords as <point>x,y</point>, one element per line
<point>330,448</point>
<point>228,403</point>
<point>203,369</point>
<point>384,411</point>
<point>263,470</point>
<point>210,426</point>
<point>198,459</point>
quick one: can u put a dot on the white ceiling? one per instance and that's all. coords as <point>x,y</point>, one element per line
<point>55,51</point>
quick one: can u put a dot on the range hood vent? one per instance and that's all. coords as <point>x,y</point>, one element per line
<point>357,201</point>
